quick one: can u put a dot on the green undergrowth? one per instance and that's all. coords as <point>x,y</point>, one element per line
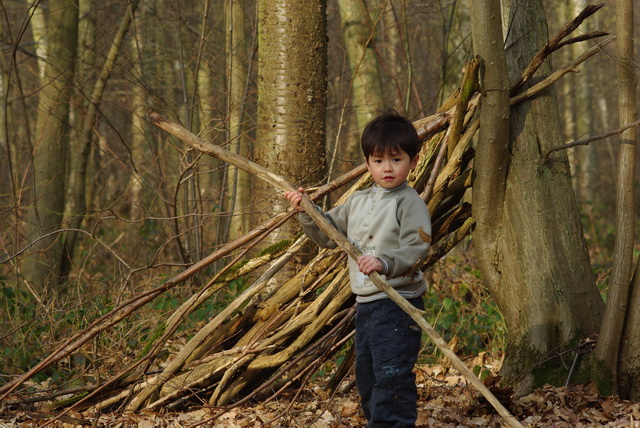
<point>461,309</point>
<point>31,330</point>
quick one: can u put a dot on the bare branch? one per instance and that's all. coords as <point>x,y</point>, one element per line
<point>589,140</point>
<point>556,75</point>
<point>554,44</point>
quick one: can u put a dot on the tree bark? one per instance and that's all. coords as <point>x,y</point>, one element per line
<point>359,30</point>
<point>292,97</point>
<point>138,134</point>
<point>238,188</point>
<point>78,177</point>
<point>605,371</point>
<point>42,268</point>
<point>535,220</point>
<point>492,154</point>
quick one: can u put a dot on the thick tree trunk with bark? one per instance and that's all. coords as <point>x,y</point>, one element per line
<point>528,218</point>
<point>292,97</point>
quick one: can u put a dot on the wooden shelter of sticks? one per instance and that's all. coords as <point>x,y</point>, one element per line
<point>273,338</point>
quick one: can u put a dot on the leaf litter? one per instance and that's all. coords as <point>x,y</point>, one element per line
<point>445,401</point>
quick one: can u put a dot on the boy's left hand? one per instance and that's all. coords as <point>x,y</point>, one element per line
<point>368,263</point>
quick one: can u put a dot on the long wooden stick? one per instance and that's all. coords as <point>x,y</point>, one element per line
<point>282,184</point>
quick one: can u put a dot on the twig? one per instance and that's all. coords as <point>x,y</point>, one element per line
<point>589,140</point>
<point>25,248</point>
<point>347,317</point>
<point>442,153</point>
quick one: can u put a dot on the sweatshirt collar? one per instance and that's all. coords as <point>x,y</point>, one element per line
<point>402,186</point>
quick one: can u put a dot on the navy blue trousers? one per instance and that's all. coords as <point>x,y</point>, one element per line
<point>387,347</point>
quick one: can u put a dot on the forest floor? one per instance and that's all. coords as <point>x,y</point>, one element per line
<point>445,400</point>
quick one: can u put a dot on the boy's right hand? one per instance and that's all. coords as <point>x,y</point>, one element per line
<point>295,198</point>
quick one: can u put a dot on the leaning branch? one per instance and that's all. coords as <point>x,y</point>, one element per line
<point>555,44</point>
<point>281,184</point>
<point>556,75</point>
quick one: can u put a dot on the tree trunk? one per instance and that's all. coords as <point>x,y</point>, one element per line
<point>39,30</point>
<point>291,97</point>
<point>527,218</point>
<point>78,176</point>
<point>238,189</point>
<point>629,370</point>
<point>138,132</point>
<point>209,182</point>
<point>359,30</point>
<point>42,267</point>
<point>605,372</point>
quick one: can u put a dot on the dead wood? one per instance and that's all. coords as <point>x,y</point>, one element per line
<point>319,320</point>
<point>556,42</point>
<point>556,75</point>
<point>589,140</point>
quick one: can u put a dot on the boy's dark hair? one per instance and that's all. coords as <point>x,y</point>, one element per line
<point>390,131</point>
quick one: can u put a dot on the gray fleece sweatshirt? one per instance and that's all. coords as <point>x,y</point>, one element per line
<point>391,224</point>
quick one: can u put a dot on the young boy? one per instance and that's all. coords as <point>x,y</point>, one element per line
<point>391,226</point>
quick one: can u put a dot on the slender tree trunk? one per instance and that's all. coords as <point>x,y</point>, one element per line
<point>605,371</point>
<point>238,182</point>
<point>42,267</point>
<point>291,97</point>
<point>527,218</point>
<point>210,181</point>
<point>138,132</point>
<point>39,30</point>
<point>7,175</point>
<point>358,32</point>
<point>78,178</point>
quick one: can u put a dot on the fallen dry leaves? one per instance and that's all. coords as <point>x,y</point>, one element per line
<point>445,400</point>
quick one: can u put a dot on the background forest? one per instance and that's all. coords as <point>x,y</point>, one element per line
<point>125,207</point>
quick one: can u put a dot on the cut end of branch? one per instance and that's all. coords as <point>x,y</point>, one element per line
<point>157,118</point>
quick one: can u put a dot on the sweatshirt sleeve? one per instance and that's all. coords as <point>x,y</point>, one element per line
<point>336,216</point>
<point>414,239</point>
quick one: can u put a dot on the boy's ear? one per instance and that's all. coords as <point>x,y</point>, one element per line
<point>414,161</point>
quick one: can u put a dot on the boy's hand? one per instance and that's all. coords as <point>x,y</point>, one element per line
<point>295,198</point>
<point>368,263</point>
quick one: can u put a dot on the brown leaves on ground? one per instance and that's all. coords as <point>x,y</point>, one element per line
<point>445,400</point>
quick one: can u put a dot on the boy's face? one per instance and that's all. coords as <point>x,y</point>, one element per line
<point>390,169</point>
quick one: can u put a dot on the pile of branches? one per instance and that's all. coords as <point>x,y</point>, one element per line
<point>275,336</point>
